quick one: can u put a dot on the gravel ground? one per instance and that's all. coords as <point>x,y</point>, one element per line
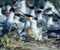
<point>11,43</point>
<point>46,44</point>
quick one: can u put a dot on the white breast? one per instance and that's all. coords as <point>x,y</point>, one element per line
<point>34,27</point>
<point>33,13</point>
<point>40,17</point>
<point>23,6</point>
<point>2,17</point>
<point>11,17</point>
<point>50,22</point>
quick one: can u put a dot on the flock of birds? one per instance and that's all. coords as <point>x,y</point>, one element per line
<point>42,20</point>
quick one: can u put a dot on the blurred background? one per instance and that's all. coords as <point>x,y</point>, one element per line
<point>35,2</point>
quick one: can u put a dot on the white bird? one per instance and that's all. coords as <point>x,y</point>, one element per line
<point>8,7</point>
<point>53,10</point>
<point>11,17</point>
<point>52,24</point>
<point>23,6</point>
<point>48,4</point>
<point>2,17</point>
<point>32,11</point>
<point>36,30</point>
<point>41,22</point>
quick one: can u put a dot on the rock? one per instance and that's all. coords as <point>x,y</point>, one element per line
<point>52,35</point>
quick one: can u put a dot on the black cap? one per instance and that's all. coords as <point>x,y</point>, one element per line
<point>17,14</point>
<point>38,11</point>
<point>12,9</point>
<point>14,2</point>
<point>41,7</point>
<point>31,7</point>
<point>28,15</point>
<point>50,15</point>
<point>48,9</point>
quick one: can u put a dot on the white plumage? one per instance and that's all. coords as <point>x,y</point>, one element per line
<point>50,5</point>
<point>52,11</point>
<point>11,18</point>
<point>23,6</point>
<point>2,17</point>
